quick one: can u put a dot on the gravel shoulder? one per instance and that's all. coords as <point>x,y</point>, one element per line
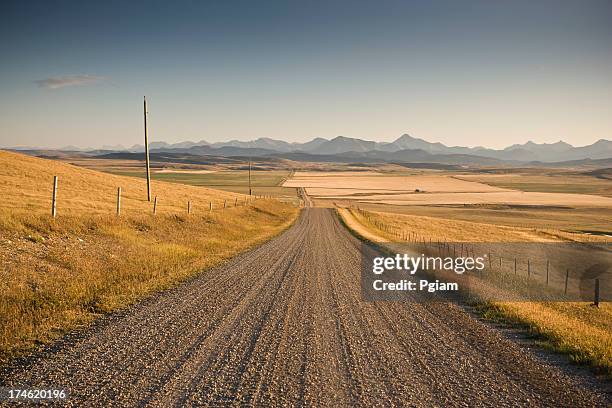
<point>284,324</point>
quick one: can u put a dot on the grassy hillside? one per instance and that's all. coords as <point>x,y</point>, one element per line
<point>574,328</point>
<point>26,184</point>
<point>58,274</point>
<point>453,230</point>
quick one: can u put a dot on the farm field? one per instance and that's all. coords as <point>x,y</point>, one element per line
<point>360,184</point>
<point>557,182</point>
<point>514,198</point>
<point>59,274</point>
<point>451,195</point>
<point>429,189</point>
<point>263,182</point>
<point>229,175</point>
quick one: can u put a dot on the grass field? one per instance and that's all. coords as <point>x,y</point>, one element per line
<point>575,328</point>
<point>596,220</point>
<point>58,274</point>
<point>263,182</point>
<point>27,185</point>
<point>590,222</point>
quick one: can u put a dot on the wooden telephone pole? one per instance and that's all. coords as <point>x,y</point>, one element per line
<point>146,142</point>
<point>249,176</point>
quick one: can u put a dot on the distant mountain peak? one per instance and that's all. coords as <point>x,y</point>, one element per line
<point>603,141</point>
<point>407,138</point>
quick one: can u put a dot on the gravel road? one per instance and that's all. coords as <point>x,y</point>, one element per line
<point>284,324</point>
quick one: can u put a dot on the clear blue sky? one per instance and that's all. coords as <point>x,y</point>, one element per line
<point>487,73</point>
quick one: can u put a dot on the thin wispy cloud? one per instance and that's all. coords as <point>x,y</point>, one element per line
<point>70,80</point>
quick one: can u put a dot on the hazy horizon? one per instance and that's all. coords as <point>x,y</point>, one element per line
<point>93,147</point>
<point>474,73</point>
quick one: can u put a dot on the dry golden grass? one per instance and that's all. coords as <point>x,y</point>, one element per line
<point>574,328</point>
<point>442,229</point>
<point>56,275</point>
<point>359,224</point>
<point>26,184</point>
<point>577,329</point>
<point>585,221</point>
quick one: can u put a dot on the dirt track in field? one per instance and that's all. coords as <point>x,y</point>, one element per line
<point>284,324</point>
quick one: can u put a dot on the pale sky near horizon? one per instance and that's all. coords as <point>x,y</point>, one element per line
<point>466,73</point>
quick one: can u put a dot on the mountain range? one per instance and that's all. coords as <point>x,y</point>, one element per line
<point>405,149</point>
<point>402,146</point>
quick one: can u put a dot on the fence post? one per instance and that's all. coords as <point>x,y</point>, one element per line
<point>210,206</point>
<point>515,266</point>
<point>547,265</point>
<point>596,301</point>
<point>54,198</point>
<point>566,279</point>
<point>528,269</point>
<point>188,207</point>
<point>118,200</point>
<point>236,202</point>
<point>224,203</point>
<point>155,205</point>
<point>490,266</point>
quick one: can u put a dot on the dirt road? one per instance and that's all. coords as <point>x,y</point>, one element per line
<point>284,324</point>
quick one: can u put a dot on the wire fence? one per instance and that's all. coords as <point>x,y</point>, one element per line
<point>568,271</point>
<point>156,202</point>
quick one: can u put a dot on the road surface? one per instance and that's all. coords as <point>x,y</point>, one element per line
<point>284,324</point>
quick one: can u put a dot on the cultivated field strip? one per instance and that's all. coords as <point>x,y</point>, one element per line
<point>284,324</point>
<point>434,189</point>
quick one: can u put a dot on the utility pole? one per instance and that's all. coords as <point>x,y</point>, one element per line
<point>249,176</point>
<point>146,142</point>
<point>54,200</point>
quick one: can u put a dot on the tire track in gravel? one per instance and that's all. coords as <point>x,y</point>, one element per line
<point>285,324</point>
